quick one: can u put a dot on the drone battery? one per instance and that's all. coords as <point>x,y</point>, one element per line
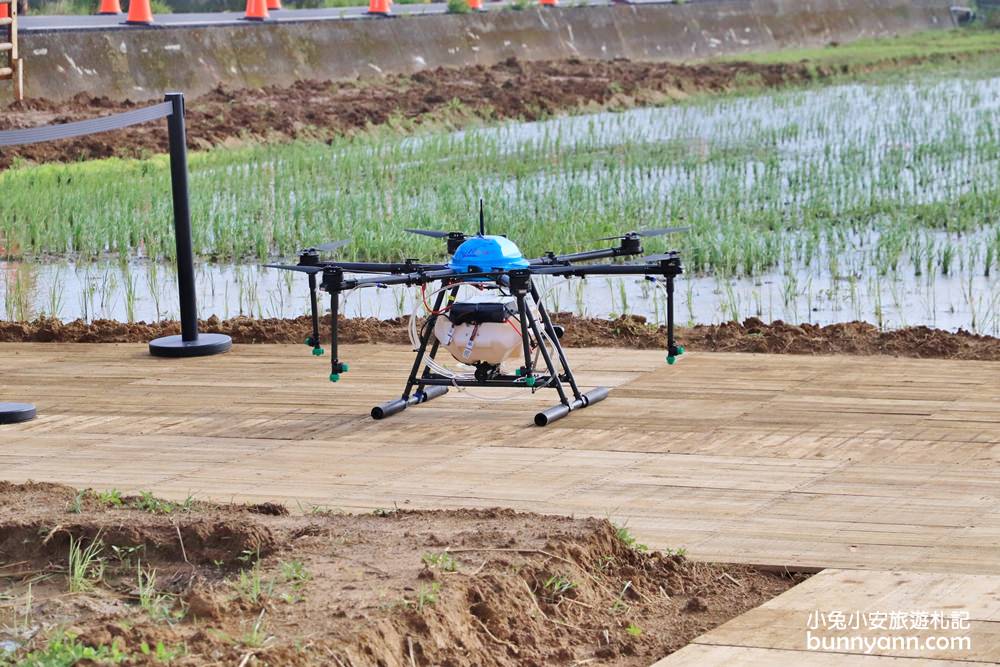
<point>480,313</point>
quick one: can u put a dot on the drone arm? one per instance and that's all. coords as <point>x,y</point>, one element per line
<point>382,267</point>
<point>314,339</point>
<point>586,256</point>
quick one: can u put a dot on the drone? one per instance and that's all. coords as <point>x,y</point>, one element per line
<point>509,341</point>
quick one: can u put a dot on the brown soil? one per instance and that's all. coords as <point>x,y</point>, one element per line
<point>314,109</point>
<point>858,338</point>
<point>253,585</point>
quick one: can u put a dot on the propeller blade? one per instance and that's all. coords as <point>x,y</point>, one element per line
<point>433,233</point>
<point>652,259</point>
<point>648,232</point>
<point>295,267</point>
<point>331,246</point>
<point>662,230</point>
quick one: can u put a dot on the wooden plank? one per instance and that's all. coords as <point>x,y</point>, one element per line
<point>777,630</point>
<point>806,462</point>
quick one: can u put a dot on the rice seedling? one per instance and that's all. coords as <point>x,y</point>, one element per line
<point>815,189</point>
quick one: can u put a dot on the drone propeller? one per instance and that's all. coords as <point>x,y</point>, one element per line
<point>653,259</point>
<point>329,247</point>
<point>645,233</point>
<point>295,267</point>
<point>434,233</point>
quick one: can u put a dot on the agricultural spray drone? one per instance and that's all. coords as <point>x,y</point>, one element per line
<point>498,342</point>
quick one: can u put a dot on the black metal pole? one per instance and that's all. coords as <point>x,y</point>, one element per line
<point>15,413</point>
<point>182,218</point>
<point>189,343</point>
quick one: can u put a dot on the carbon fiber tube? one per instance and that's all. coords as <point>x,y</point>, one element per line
<point>428,394</point>
<point>388,409</point>
<point>556,412</point>
<point>595,395</point>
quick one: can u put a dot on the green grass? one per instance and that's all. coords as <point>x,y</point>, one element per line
<point>931,44</point>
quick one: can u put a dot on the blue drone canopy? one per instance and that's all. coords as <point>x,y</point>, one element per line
<point>487,253</point>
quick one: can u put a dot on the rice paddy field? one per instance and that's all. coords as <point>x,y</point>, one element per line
<point>875,200</point>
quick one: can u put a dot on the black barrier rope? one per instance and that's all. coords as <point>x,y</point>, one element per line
<point>190,343</point>
<point>35,135</point>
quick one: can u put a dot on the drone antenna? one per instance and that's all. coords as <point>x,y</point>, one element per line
<point>482,219</point>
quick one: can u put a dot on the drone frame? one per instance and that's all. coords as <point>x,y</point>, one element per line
<point>423,384</point>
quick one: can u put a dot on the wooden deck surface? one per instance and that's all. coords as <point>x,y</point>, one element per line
<point>809,462</point>
<point>786,460</point>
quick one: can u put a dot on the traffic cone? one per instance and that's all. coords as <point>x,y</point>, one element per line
<point>110,7</point>
<point>380,7</point>
<point>548,3</point>
<point>5,12</point>
<point>139,12</point>
<point>273,5</point>
<point>476,5</point>
<point>256,10</point>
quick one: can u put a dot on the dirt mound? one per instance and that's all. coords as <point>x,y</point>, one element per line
<point>752,335</point>
<point>321,110</point>
<point>462,588</point>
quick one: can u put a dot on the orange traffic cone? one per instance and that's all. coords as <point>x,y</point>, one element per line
<point>476,5</point>
<point>548,3</point>
<point>110,7</point>
<point>139,12</point>
<point>273,5</point>
<point>4,11</point>
<point>380,7</point>
<point>256,10</point>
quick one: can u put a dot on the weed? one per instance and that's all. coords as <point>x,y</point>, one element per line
<point>65,651</point>
<point>111,498</point>
<point>294,572</point>
<point>442,561</point>
<point>634,630</point>
<point>426,596</point>
<point>85,564</point>
<point>153,603</point>
<point>557,586</point>
<point>161,652</point>
<point>76,505</point>
<point>626,538</point>
<point>256,636</point>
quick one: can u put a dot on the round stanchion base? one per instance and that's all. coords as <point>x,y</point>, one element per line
<point>15,413</point>
<point>204,345</point>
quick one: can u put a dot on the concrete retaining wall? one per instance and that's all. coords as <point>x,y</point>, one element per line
<point>143,63</point>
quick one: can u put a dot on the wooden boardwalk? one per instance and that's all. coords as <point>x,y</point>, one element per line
<point>808,462</point>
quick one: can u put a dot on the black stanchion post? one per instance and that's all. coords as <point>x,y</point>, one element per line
<point>190,343</point>
<point>15,413</point>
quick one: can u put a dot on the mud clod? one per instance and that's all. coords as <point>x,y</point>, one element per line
<point>752,335</point>
<point>323,110</point>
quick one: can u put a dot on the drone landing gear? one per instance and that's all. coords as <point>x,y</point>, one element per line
<point>430,385</point>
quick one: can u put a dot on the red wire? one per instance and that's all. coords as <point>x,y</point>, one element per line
<point>427,306</point>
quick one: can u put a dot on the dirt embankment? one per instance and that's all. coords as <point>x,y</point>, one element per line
<point>752,335</point>
<point>312,109</point>
<point>197,583</point>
